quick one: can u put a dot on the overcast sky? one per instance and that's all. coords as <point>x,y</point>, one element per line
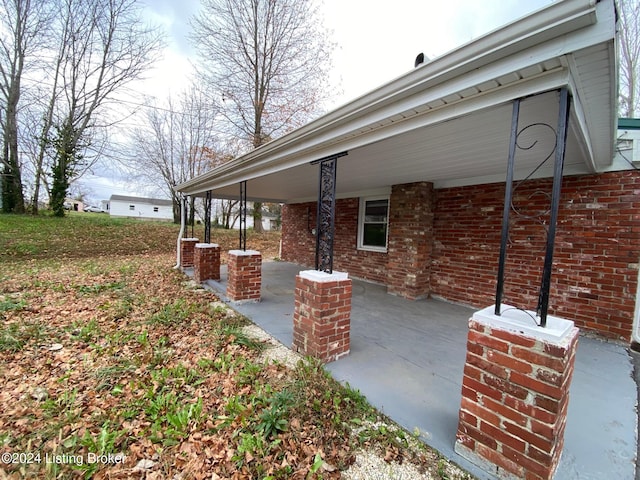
<point>377,41</point>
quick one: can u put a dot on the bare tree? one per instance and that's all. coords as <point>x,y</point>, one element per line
<point>178,142</point>
<point>229,213</point>
<point>629,42</point>
<point>105,45</point>
<point>268,62</point>
<point>49,97</point>
<point>23,26</point>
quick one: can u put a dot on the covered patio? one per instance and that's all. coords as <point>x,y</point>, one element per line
<point>407,358</point>
<point>450,182</point>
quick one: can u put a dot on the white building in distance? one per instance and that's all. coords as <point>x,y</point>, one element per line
<point>140,208</point>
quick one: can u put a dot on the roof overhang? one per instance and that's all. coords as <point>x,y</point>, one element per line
<point>448,121</point>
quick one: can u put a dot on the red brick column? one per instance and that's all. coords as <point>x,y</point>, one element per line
<point>187,250</point>
<point>515,393</point>
<point>322,315</point>
<point>206,262</point>
<point>410,240</point>
<point>244,275</point>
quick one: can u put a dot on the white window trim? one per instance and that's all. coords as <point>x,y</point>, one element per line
<point>369,248</point>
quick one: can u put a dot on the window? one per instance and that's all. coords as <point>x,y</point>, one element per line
<point>156,209</point>
<point>372,224</point>
<point>132,207</point>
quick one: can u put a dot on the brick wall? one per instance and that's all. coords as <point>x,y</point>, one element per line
<point>515,395</point>
<point>410,240</point>
<point>596,254</point>
<point>299,244</point>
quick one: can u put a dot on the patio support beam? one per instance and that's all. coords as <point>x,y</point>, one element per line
<point>187,251</point>
<point>515,394</point>
<point>243,216</point>
<point>558,152</point>
<point>244,267</point>
<point>206,262</point>
<point>507,204</point>
<point>326,212</point>
<point>207,217</point>
<point>322,315</point>
<point>561,142</point>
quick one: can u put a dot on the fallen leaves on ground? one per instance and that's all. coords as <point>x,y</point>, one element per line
<point>123,356</point>
<point>116,366</point>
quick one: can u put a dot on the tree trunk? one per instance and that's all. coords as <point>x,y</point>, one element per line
<point>192,211</point>
<point>177,214</point>
<point>257,217</point>
<point>13,197</point>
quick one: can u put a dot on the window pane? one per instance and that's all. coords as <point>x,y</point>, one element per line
<point>376,211</point>
<point>374,234</point>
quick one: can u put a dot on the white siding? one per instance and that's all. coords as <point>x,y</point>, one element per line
<point>140,209</point>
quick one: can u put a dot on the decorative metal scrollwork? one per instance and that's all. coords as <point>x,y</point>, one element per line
<point>528,203</point>
<point>326,213</point>
<point>552,199</point>
<point>326,216</point>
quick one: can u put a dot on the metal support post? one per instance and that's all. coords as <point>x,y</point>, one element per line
<point>207,217</point>
<point>561,142</point>
<point>507,204</point>
<point>326,212</point>
<point>243,215</point>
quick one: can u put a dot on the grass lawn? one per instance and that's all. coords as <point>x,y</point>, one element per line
<point>113,365</point>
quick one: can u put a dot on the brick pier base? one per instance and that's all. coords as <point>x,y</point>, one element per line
<point>322,315</point>
<point>244,275</point>
<point>187,251</point>
<point>206,262</point>
<point>515,393</point>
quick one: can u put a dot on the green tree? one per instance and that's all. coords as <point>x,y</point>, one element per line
<point>66,152</point>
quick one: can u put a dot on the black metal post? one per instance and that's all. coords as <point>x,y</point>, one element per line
<point>191,216</point>
<point>561,142</point>
<point>243,215</point>
<point>507,204</point>
<point>326,212</point>
<point>207,217</point>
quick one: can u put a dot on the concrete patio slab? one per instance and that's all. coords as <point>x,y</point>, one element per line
<point>407,358</point>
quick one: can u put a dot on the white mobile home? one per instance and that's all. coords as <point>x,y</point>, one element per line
<point>141,208</point>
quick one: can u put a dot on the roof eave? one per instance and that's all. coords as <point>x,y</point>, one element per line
<point>556,20</point>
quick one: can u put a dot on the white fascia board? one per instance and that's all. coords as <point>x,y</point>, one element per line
<point>391,99</point>
<point>614,99</point>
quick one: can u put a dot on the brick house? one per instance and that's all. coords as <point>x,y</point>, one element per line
<point>496,176</point>
<point>420,182</point>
